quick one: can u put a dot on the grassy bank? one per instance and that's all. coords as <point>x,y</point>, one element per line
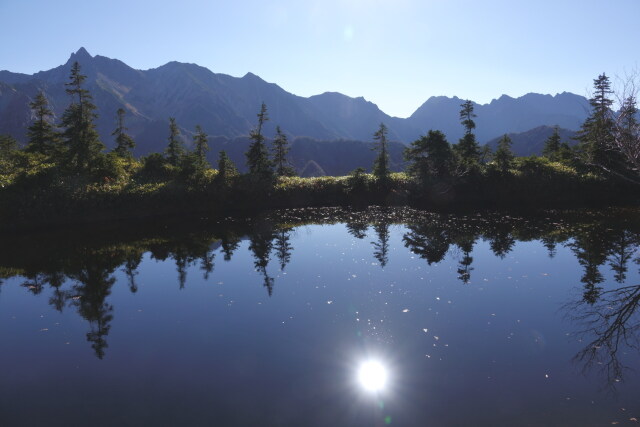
<point>43,196</point>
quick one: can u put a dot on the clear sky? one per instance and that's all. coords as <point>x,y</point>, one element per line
<point>395,53</point>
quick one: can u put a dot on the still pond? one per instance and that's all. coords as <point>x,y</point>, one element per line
<point>327,318</point>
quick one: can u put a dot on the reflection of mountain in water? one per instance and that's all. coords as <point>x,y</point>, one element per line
<point>78,268</point>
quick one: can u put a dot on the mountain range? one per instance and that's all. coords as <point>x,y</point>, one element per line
<point>226,108</point>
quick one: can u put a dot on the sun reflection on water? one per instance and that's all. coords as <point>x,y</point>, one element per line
<point>372,376</point>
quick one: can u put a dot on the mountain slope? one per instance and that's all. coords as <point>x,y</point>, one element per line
<point>503,115</point>
<point>531,142</point>
<point>227,106</point>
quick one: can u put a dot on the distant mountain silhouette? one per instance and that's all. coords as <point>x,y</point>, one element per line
<point>226,106</point>
<point>531,142</point>
<point>503,115</point>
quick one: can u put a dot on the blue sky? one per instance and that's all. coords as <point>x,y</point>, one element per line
<point>395,53</point>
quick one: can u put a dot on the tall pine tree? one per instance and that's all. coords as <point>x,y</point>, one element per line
<point>257,156</point>
<point>381,163</point>
<point>124,142</point>
<point>175,150</point>
<point>467,149</point>
<point>552,145</point>
<point>503,158</point>
<point>201,147</point>
<point>81,140</point>
<point>226,169</point>
<point>280,150</point>
<point>43,138</point>
<point>596,134</point>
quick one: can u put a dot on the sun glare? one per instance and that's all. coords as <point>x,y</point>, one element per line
<point>372,376</point>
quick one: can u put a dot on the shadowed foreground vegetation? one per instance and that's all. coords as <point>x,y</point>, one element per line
<point>43,196</point>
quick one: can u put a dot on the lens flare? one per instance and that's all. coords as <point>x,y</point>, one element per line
<point>372,375</point>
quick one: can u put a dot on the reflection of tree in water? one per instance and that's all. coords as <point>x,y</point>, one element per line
<point>593,243</point>
<point>183,260</point>
<point>591,251</point>
<point>427,240</point>
<point>381,246</point>
<point>92,287</point>
<point>229,244</point>
<point>609,324</point>
<point>282,246</point>
<point>207,263</point>
<point>500,239</point>
<point>34,283</point>
<point>260,244</point>
<point>59,298</point>
<point>465,243</point>
<point>357,229</point>
<point>624,244</point>
<point>130,270</point>
<point>550,242</point>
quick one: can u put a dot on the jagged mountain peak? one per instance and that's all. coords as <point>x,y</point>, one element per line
<point>82,55</point>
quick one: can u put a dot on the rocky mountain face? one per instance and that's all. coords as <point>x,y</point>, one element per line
<point>226,107</point>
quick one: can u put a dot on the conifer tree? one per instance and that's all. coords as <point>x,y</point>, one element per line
<point>81,140</point>
<point>257,156</point>
<point>381,163</point>
<point>174,150</point>
<point>124,142</point>
<point>467,149</point>
<point>552,145</point>
<point>430,156</point>
<point>8,150</point>
<point>503,158</point>
<point>596,134</point>
<point>201,147</point>
<point>42,135</point>
<point>226,168</point>
<point>280,150</point>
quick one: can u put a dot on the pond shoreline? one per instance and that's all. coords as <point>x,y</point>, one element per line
<point>62,207</point>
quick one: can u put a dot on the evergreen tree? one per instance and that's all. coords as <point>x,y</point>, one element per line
<point>257,155</point>
<point>174,150</point>
<point>193,164</point>
<point>485,154</point>
<point>503,158</point>
<point>381,163</point>
<point>552,145</point>
<point>430,156</point>
<point>8,150</point>
<point>81,140</point>
<point>467,149</point>
<point>280,150</point>
<point>226,169</point>
<point>201,147</point>
<point>466,116</point>
<point>596,134</point>
<point>124,143</point>
<point>42,135</point>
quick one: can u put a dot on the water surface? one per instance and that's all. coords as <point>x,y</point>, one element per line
<point>476,320</point>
